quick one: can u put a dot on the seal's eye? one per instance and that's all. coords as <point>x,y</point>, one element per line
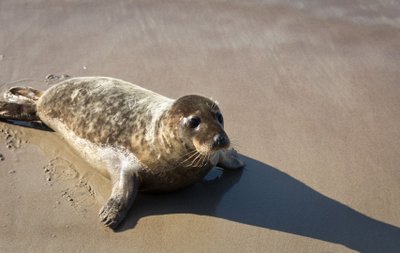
<point>193,122</point>
<point>220,118</point>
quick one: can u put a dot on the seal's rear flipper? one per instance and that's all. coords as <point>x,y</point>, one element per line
<point>21,115</point>
<point>14,111</point>
<point>22,95</point>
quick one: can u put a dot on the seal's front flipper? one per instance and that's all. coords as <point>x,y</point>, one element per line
<point>124,191</point>
<point>229,159</point>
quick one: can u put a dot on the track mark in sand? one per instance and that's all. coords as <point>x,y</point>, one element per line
<point>78,194</point>
<point>53,79</point>
<point>12,138</point>
<point>59,168</point>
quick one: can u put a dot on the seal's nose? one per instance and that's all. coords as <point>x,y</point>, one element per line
<point>220,140</point>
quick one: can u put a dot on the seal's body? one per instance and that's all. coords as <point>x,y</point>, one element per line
<point>141,139</point>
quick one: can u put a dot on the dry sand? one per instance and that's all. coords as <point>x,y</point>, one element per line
<point>310,93</point>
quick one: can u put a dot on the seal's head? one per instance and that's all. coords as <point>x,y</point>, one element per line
<point>200,124</point>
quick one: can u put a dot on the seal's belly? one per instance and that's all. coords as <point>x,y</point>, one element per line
<point>164,180</point>
<point>106,159</point>
<point>171,180</point>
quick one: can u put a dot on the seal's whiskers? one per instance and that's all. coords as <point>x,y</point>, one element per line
<point>194,162</point>
<point>204,160</point>
<point>198,162</point>
<point>190,156</point>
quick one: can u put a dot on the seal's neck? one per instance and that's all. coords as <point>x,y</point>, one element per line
<point>167,140</point>
<point>166,134</point>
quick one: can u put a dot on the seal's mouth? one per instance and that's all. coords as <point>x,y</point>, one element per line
<point>204,153</point>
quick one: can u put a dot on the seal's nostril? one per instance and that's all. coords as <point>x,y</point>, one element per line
<point>220,140</point>
<point>217,139</point>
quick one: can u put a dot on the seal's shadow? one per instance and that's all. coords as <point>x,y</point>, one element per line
<point>263,196</point>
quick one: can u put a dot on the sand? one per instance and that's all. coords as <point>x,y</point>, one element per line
<point>310,95</point>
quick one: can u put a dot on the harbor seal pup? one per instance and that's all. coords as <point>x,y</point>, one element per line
<point>142,140</point>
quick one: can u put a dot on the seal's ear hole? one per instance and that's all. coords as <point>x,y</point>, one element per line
<point>193,121</point>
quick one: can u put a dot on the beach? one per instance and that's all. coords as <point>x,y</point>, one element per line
<point>309,91</point>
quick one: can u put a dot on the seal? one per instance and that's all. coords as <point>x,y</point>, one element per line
<point>140,139</point>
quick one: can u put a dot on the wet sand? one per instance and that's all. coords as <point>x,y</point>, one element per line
<point>310,95</point>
